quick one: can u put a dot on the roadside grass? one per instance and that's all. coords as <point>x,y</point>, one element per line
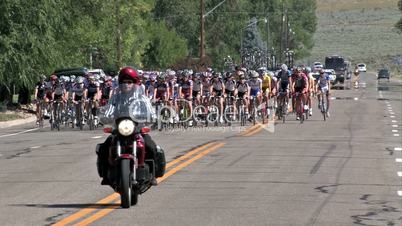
<point>361,34</point>
<point>7,117</point>
<point>337,5</point>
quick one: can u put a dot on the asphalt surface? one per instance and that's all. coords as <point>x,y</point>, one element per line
<point>340,172</point>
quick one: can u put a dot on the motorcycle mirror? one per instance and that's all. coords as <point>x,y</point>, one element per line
<point>107,130</point>
<point>145,130</point>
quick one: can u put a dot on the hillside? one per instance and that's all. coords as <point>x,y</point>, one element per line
<point>361,30</point>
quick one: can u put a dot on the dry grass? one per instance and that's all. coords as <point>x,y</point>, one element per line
<point>340,5</point>
<point>361,30</point>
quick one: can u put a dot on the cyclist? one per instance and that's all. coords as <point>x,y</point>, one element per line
<point>357,77</point>
<point>284,81</point>
<point>323,86</point>
<point>106,90</point>
<point>40,93</point>
<point>186,91</point>
<point>197,88</point>
<point>300,86</point>
<point>311,89</point>
<point>59,93</point>
<point>218,90</point>
<point>243,91</point>
<point>255,84</point>
<point>230,89</point>
<point>150,85</point>
<point>92,93</point>
<point>78,92</point>
<point>161,91</point>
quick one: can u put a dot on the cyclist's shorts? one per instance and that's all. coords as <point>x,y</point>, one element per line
<point>195,93</point>
<point>77,98</point>
<point>254,92</point>
<point>218,93</point>
<point>229,93</point>
<point>241,94</point>
<point>284,85</point>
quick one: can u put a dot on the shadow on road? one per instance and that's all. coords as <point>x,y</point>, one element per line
<point>74,206</point>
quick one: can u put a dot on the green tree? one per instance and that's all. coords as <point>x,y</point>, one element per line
<point>164,49</point>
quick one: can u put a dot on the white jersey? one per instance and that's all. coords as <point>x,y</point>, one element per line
<point>255,84</point>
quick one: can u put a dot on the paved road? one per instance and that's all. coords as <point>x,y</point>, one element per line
<point>340,172</point>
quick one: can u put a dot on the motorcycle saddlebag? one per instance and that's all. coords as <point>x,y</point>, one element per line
<point>101,161</point>
<point>160,162</point>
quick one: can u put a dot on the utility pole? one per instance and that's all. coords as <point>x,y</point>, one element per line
<point>202,29</point>
<point>282,31</point>
<point>119,38</point>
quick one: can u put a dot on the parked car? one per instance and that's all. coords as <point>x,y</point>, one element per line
<point>361,67</point>
<point>97,72</point>
<point>383,73</point>
<point>82,71</point>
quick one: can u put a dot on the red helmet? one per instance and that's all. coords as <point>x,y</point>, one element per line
<point>53,77</point>
<point>128,73</point>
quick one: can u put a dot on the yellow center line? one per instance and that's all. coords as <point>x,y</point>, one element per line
<point>87,210</point>
<point>253,132</point>
<point>249,130</point>
<point>258,128</point>
<point>104,212</point>
<point>99,214</point>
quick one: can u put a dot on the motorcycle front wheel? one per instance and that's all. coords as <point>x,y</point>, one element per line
<point>125,189</point>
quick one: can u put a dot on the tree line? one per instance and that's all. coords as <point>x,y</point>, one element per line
<point>39,36</point>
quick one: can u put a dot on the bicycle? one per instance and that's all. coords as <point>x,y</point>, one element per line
<point>230,110</point>
<point>323,104</point>
<point>184,113</point>
<point>40,114</point>
<point>282,106</point>
<point>56,115</point>
<point>241,106</point>
<point>299,106</point>
<point>79,109</point>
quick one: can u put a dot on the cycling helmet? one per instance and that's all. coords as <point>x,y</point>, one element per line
<point>271,74</point>
<point>42,77</point>
<point>308,69</point>
<point>162,77</point>
<point>284,67</point>
<point>79,80</point>
<point>53,77</point>
<point>152,77</point>
<point>254,74</point>
<point>128,73</point>
<point>217,75</point>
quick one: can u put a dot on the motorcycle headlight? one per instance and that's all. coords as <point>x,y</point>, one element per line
<point>126,127</point>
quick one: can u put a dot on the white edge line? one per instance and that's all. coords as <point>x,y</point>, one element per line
<point>395,126</point>
<point>394,131</point>
<point>35,147</point>
<point>392,116</point>
<point>400,193</point>
<point>13,134</point>
<point>399,174</point>
<point>398,149</point>
<point>396,134</point>
<point>394,121</point>
<point>398,160</point>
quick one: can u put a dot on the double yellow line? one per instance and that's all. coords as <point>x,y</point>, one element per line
<point>111,202</point>
<point>252,130</point>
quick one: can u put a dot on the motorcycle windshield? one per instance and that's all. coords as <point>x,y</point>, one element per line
<point>128,101</point>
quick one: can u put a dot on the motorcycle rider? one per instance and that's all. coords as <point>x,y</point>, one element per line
<point>129,80</point>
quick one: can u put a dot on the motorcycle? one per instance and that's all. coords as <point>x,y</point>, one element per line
<point>130,171</point>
